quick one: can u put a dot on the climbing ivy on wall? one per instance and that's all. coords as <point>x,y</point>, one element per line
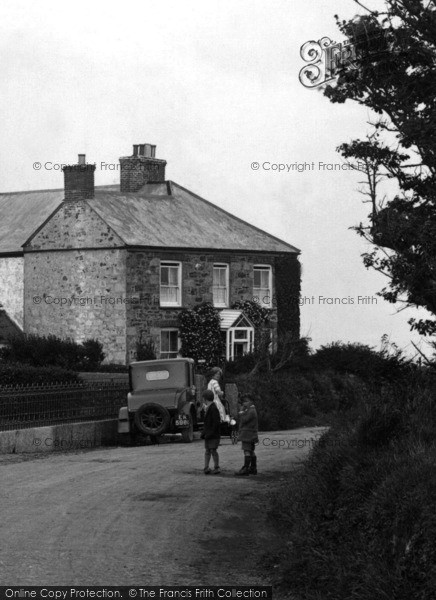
<point>200,334</point>
<point>257,314</point>
<point>288,287</point>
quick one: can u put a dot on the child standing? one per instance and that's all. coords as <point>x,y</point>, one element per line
<point>211,433</point>
<point>248,430</point>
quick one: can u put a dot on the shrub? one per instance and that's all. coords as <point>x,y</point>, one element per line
<point>362,523</point>
<point>289,398</point>
<point>18,374</point>
<point>362,360</point>
<point>145,349</point>
<point>41,351</point>
<point>291,353</point>
<point>91,355</point>
<point>274,406</point>
<point>112,368</point>
<point>241,364</point>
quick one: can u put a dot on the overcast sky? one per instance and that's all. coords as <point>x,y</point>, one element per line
<point>214,84</point>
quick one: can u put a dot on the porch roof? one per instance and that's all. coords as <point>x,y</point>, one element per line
<point>230,317</point>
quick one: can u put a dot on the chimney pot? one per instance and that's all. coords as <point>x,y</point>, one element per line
<point>82,159</point>
<point>141,168</point>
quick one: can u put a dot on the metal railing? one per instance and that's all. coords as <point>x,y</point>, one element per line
<point>39,405</point>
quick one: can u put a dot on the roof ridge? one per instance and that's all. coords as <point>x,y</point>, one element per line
<point>53,190</point>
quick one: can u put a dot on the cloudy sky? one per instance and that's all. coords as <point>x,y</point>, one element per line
<point>215,86</point>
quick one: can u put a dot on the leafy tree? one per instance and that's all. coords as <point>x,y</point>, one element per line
<point>394,75</point>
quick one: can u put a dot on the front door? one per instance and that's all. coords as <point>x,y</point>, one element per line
<point>239,349</point>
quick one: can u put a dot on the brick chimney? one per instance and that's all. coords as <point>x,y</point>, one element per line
<point>141,168</point>
<point>79,180</point>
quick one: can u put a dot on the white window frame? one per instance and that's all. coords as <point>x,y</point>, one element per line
<point>264,293</point>
<point>178,302</point>
<point>224,304</point>
<point>161,353</point>
<point>271,341</point>
<point>231,340</point>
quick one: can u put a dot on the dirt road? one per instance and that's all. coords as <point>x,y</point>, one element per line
<point>141,516</point>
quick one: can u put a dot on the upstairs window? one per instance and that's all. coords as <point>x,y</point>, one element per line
<point>262,285</point>
<point>220,285</point>
<point>170,284</point>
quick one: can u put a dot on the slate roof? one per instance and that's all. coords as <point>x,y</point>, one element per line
<point>8,327</point>
<point>21,213</point>
<point>158,215</point>
<point>229,318</point>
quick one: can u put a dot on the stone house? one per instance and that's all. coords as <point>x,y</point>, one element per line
<point>118,263</point>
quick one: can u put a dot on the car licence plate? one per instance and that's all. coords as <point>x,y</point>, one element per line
<point>182,422</point>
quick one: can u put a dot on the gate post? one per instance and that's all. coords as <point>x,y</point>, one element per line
<point>231,391</point>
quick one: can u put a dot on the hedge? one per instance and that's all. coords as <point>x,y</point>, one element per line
<point>359,516</point>
<point>18,374</point>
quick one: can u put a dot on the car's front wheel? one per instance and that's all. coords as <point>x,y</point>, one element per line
<point>152,419</point>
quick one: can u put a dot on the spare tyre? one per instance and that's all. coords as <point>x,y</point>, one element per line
<point>152,419</point>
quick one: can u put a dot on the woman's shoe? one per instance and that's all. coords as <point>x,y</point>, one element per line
<point>216,471</point>
<point>207,471</point>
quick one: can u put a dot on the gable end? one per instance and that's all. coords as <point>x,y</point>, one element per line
<point>73,225</point>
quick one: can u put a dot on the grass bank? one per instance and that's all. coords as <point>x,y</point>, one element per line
<point>360,515</point>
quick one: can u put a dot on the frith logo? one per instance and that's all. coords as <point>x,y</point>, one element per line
<point>327,58</point>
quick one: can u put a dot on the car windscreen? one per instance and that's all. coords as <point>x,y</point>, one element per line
<point>159,376</point>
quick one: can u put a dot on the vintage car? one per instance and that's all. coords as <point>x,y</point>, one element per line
<point>162,399</point>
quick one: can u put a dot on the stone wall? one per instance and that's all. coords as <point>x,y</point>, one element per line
<point>77,293</point>
<point>146,317</point>
<point>112,294</point>
<point>12,287</point>
<point>74,225</point>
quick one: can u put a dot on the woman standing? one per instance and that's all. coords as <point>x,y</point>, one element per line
<point>218,394</point>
